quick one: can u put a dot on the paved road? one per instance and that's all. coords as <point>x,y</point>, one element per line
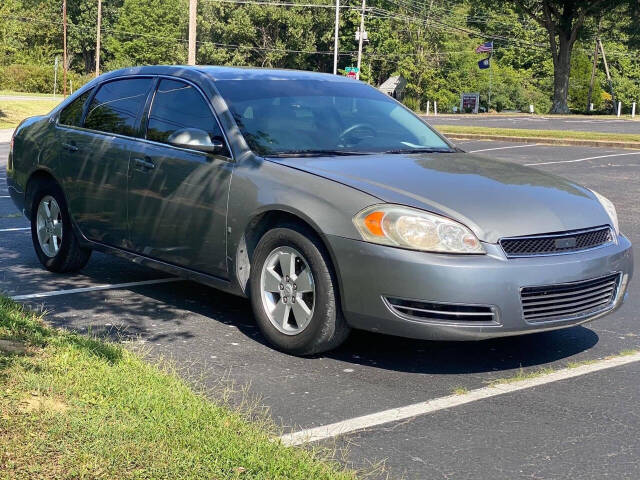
<point>535,122</point>
<point>580,428</point>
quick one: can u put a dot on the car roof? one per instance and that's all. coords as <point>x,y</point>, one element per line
<point>228,73</point>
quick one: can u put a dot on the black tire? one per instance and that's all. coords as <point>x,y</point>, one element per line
<point>327,328</point>
<point>70,257</point>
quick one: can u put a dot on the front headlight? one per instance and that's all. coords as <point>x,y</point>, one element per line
<point>415,229</point>
<point>610,208</point>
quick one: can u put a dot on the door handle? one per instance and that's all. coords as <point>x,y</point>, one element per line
<point>144,164</point>
<point>70,147</point>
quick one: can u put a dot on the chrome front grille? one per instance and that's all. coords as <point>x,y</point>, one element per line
<point>419,310</point>
<point>556,243</point>
<point>569,300</point>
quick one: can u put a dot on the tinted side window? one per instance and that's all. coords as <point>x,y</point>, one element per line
<point>178,105</point>
<point>72,113</point>
<point>116,106</point>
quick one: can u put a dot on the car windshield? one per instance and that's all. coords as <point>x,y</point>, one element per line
<point>281,117</point>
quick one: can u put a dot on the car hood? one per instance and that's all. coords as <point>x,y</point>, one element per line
<point>494,198</point>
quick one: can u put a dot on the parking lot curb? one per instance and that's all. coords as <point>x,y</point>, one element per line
<point>544,140</point>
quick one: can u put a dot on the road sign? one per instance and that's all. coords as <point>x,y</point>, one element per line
<point>352,69</point>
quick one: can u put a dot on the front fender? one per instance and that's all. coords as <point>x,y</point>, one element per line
<point>260,186</point>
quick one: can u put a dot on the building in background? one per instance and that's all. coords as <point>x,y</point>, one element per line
<point>394,87</point>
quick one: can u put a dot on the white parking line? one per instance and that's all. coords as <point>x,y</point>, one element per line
<point>431,406</point>
<point>17,229</point>
<point>504,148</point>
<point>96,288</point>
<point>583,159</point>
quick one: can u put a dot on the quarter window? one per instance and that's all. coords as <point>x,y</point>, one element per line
<point>117,105</point>
<point>72,114</point>
<point>176,106</point>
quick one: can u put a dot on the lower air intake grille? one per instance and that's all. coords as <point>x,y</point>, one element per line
<point>441,311</point>
<point>569,300</point>
<point>554,243</point>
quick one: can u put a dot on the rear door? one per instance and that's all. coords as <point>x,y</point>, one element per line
<point>178,196</point>
<point>96,159</point>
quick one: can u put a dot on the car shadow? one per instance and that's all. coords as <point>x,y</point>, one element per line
<point>165,306</point>
<point>451,358</point>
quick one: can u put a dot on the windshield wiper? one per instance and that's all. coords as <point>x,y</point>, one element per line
<point>315,153</point>
<point>421,150</point>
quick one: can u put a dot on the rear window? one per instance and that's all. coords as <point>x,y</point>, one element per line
<point>72,114</point>
<point>117,106</point>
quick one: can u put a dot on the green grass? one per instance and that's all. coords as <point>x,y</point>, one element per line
<point>555,134</point>
<point>27,94</point>
<point>73,407</point>
<point>460,390</point>
<point>12,112</point>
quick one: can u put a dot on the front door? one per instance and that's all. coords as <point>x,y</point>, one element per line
<point>95,159</point>
<point>177,198</point>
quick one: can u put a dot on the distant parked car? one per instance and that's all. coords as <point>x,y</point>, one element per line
<point>327,203</point>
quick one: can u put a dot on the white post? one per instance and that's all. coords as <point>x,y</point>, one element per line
<point>435,108</point>
<point>633,110</point>
<point>591,107</point>
<point>336,40</point>
<point>619,108</point>
<point>428,107</point>
<point>531,108</point>
<point>55,76</point>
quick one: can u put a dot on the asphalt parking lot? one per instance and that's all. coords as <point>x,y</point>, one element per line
<point>583,427</point>
<point>541,122</point>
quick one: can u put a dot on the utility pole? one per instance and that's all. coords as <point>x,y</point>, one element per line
<point>336,40</point>
<point>64,48</point>
<point>98,37</point>
<point>193,7</point>
<point>593,77</point>
<point>593,69</point>
<point>606,69</point>
<point>361,40</point>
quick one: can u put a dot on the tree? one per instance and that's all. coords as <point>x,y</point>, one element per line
<point>149,32</point>
<point>563,21</point>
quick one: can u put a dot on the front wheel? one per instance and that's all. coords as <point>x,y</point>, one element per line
<point>293,293</point>
<point>53,237</point>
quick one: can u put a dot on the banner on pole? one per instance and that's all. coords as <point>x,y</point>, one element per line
<point>484,63</point>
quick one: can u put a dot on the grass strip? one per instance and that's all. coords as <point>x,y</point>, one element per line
<point>73,407</point>
<point>555,134</point>
<point>12,112</point>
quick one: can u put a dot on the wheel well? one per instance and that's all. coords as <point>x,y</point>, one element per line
<point>36,177</point>
<point>264,222</point>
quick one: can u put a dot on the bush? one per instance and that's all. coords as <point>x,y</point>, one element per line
<point>412,103</point>
<point>37,79</point>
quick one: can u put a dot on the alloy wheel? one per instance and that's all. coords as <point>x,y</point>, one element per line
<point>288,290</point>
<point>49,226</point>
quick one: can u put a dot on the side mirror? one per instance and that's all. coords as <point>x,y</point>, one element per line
<point>195,139</point>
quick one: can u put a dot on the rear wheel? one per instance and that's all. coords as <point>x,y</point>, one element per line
<point>293,293</point>
<point>53,237</point>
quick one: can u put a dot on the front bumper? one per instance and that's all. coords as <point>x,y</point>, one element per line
<point>368,273</point>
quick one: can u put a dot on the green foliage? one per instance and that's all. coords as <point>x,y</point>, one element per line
<point>436,58</point>
<point>149,32</point>
<point>37,78</point>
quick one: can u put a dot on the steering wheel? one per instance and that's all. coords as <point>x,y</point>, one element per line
<point>366,128</point>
